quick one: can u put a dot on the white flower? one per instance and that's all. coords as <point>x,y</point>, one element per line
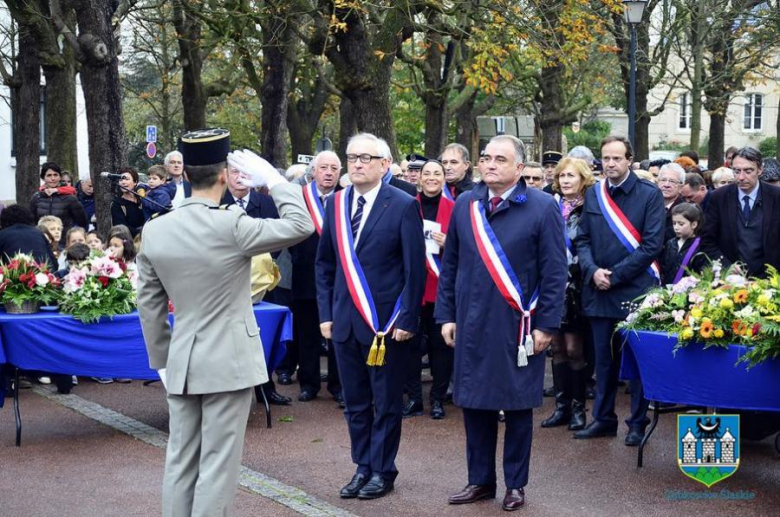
<point>41,279</point>
<point>736,280</point>
<point>679,315</point>
<point>632,317</point>
<point>2,277</point>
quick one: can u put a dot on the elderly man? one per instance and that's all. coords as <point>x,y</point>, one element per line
<point>740,222</point>
<point>457,170</point>
<point>721,177</point>
<point>370,274</point>
<point>616,271</point>
<point>326,168</point>
<point>178,188</point>
<point>694,190</point>
<point>533,174</point>
<point>504,261</point>
<point>670,181</point>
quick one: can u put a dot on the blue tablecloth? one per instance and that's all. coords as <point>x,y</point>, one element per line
<point>698,377</point>
<point>58,343</point>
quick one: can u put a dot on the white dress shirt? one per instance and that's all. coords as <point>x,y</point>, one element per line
<point>753,196</point>
<point>179,197</point>
<point>370,198</point>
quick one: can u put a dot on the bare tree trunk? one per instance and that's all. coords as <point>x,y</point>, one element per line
<point>103,99</point>
<point>61,133</point>
<point>26,92</point>
<point>717,139</point>
<point>777,132</point>
<point>436,125</point>
<point>278,66</point>
<point>347,127</point>
<point>194,99</point>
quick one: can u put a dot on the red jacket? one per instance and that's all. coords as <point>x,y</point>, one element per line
<point>442,217</point>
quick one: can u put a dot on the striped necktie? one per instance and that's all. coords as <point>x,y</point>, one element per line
<point>358,216</point>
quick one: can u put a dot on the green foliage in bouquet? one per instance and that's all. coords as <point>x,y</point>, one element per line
<point>23,280</point>
<point>716,308</point>
<point>101,286</point>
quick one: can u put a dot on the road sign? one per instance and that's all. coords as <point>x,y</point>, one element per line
<point>305,158</point>
<point>151,133</point>
<point>151,149</point>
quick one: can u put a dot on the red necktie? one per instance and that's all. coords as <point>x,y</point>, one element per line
<point>494,202</point>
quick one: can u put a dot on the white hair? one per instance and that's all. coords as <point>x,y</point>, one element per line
<point>171,155</point>
<point>583,153</point>
<point>294,172</point>
<point>720,172</point>
<point>382,149</point>
<point>324,154</point>
<point>673,167</point>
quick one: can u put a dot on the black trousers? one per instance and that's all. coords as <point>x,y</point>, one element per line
<point>440,356</point>
<point>306,324</point>
<point>482,438</point>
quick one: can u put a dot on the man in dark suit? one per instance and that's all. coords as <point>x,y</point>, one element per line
<point>398,183</point>
<point>740,224</point>
<point>19,235</point>
<point>178,187</point>
<point>616,272</point>
<point>493,368</point>
<point>326,168</point>
<point>370,280</point>
<point>671,178</point>
<point>259,206</point>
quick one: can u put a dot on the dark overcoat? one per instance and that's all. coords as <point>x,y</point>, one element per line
<point>529,228</point>
<point>598,247</point>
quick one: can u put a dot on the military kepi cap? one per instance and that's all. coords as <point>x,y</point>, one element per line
<point>551,157</point>
<point>416,161</point>
<point>205,146</point>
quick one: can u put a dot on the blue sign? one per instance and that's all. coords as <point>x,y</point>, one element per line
<point>151,133</point>
<point>708,446</point>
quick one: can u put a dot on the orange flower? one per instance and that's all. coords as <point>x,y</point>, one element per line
<point>706,329</point>
<point>741,296</point>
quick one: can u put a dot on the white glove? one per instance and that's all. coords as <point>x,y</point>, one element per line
<point>256,172</point>
<point>161,373</point>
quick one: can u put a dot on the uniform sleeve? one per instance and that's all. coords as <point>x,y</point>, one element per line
<point>256,236</point>
<point>153,312</point>
<point>651,246</point>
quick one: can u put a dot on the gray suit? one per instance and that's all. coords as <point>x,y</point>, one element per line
<point>199,256</point>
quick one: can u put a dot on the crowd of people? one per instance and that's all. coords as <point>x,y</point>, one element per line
<point>478,266</point>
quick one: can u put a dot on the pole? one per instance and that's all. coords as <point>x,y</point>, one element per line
<point>632,91</point>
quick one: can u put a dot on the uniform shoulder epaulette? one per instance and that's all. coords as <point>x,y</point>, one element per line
<point>220,207</point>
<point>158,214</point>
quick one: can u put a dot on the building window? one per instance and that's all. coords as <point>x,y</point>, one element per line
<point>42,137</point>
<point>685,112</point>
<point>753,111</point>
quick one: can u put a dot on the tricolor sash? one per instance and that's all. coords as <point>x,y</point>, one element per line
<point>314,205</point>
<point>433,262</point>
<point>497,264</point>
<point>687,260</point>
<point>356,280</point>
<point>621,226</point>
<point>446,192</point>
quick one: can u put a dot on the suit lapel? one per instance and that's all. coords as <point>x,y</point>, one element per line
<point>732,214</point>
<point>380,204</point>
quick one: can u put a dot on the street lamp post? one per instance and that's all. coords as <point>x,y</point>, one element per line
<point>633,11</point>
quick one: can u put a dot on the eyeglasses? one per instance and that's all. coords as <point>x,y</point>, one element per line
<point>364,158</point>
<point>669,180</point>
<point>534,179</point>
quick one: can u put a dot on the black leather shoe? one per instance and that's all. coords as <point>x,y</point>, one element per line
<point>376,487</point>
<point>412,408</point>
<point>285,379</point>
<point>339,398</point>
<point>276,399</point>
<point>472,494</point>
<point>514,499</point>
<point>437,410</point>
<point>578,418</point>
<point>634,437</point>
<point>306,396</point>
<point>597,430</point>
<point>353,487</point>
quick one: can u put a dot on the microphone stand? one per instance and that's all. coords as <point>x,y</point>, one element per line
<point>165,209</point>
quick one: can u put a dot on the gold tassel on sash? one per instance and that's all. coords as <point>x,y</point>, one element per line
<point>376,356</point>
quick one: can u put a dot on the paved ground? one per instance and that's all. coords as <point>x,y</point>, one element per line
<point>69,464</point>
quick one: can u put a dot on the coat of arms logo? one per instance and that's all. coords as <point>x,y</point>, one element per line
<point>708,446</point>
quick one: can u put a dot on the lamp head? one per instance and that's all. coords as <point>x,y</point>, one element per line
<point>633,10</point>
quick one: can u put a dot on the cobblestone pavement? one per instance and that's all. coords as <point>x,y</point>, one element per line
<point>100,452</point>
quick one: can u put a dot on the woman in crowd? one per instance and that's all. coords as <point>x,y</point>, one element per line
<point>126,208</point>
<point>572,178</point>
<point>57,200</point>
<point>438,209</point>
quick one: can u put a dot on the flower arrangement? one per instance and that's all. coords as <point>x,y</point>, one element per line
<point>716,308</point>
<point>25,281</point>
<point>101,286</point>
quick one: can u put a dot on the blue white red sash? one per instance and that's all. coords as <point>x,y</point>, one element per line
<point>433,262</point>
<point>356,280</point>
<point>621,226</point>
<point>314,205</point>
<point>446,193</point>
<point>497,264</point>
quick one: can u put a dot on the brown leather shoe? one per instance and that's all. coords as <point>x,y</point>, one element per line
<point>473,493</point>
<point>514,499</point>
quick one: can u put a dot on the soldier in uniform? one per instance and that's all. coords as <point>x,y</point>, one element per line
<point>199,256</point>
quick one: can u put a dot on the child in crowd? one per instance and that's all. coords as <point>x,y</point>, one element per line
<point>157,197</point>
<point>76,254</point>
<point>75,235</point>
<point>95,241</point>
<point>51,226</point>
<point>120,244</point>
<point>681,253</point>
